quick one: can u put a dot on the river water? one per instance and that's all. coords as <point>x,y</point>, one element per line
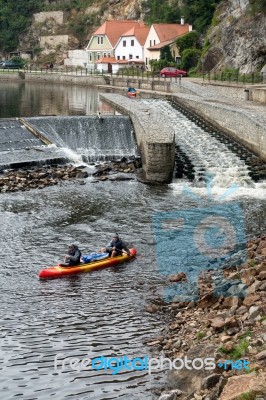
<point>90,315</point>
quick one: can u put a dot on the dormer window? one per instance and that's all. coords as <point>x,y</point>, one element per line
<point>100,39</point>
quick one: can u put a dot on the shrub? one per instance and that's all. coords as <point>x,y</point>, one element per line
<point>187,41</point>
<point>190,58</point>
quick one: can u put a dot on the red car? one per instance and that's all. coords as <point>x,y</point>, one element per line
<point>168,72</point>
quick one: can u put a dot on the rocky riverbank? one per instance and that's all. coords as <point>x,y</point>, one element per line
<point>40,177</point>
<point>230,330</point>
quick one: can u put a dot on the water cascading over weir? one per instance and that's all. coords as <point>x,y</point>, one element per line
<point>59,140</point>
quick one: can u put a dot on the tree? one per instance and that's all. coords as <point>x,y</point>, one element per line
<point>158,11</point>
<point>200,13</point>
<point>15,18</point>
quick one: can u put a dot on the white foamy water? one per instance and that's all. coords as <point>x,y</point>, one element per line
<point>217,193</point>
<point>206,151</point>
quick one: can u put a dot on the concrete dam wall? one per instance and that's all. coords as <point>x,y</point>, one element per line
<point>53,140</point>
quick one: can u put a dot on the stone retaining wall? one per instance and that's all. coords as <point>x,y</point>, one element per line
<point>41,17</point>
<point>89,80</point>
<point>257,94</point>
<point>156,144</point>
<point>242,126</point>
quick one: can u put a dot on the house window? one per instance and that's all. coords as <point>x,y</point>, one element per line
<point>124,43</point>
<point>137,57</point>
<point>98,56</point>
<point>109,54</point>
<point>132,42</point>
<point>130,56</point>
<point>154,42</point>
<point>104,54</point>
<point>90,56</point>
<point>118,57</point>
<point>124,57</point>
<point>150,43</point>
<point>100,39</point>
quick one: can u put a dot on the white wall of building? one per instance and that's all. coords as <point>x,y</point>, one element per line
<point>103,67</point>
<point>151,40</point>
<point>77,58</point>
<point>124,48</point>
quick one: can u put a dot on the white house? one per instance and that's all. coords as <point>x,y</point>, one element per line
<point>161,35</point>
<point>130,45</point>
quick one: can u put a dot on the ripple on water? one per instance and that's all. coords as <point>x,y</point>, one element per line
<point>89,315</point>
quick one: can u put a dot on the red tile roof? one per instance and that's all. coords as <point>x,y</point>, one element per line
<point>109,60</point>
<point>170,31</point>
<point>161,45</point>
<point>130,62</point>
<point>114,29</point>
<point>140,32</point>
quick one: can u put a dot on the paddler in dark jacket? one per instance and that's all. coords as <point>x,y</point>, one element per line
<point>116,247</point>
<point>73,256</point>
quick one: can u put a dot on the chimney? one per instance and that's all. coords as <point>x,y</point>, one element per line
<point>182,21</point>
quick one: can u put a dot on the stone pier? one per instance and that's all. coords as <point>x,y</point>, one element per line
<point>155,140</point>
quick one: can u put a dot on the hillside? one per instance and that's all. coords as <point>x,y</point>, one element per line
<point>237,37</point>
<point>231,32</point>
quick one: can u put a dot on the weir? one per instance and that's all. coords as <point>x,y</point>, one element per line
<point>92,138</point>
<point>60,140</point>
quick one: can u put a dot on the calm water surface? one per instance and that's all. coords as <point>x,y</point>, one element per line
<point>18,99</point>
<point>101,313</point>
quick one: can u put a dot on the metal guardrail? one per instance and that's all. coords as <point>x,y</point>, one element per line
<point>226,77</point>
<point>235,78</point>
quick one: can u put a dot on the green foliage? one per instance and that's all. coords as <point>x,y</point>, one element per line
<point>248,396</point>
<point>246,334</point>
<point>157,65</point>
<point>68,5</point>
<point>199,13</point>
<point>190,58</point>
<point>230,73</point>
<point>200,335</point>
<point>258,6</point>
<point>238,351</point>
<point>251,262</point>
<point>186,41</point>
<point>19,61</point>
<point>78,26</point>
<point>37,50</point>
<point>166,54</point>
<point>158,11</point>
<point>15,18</point>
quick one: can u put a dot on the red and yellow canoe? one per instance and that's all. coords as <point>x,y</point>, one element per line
<point>58,272</point>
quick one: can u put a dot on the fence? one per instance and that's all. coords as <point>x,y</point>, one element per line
<point>227,77</point>
<point>81,71</point>
<point>236,77</point>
